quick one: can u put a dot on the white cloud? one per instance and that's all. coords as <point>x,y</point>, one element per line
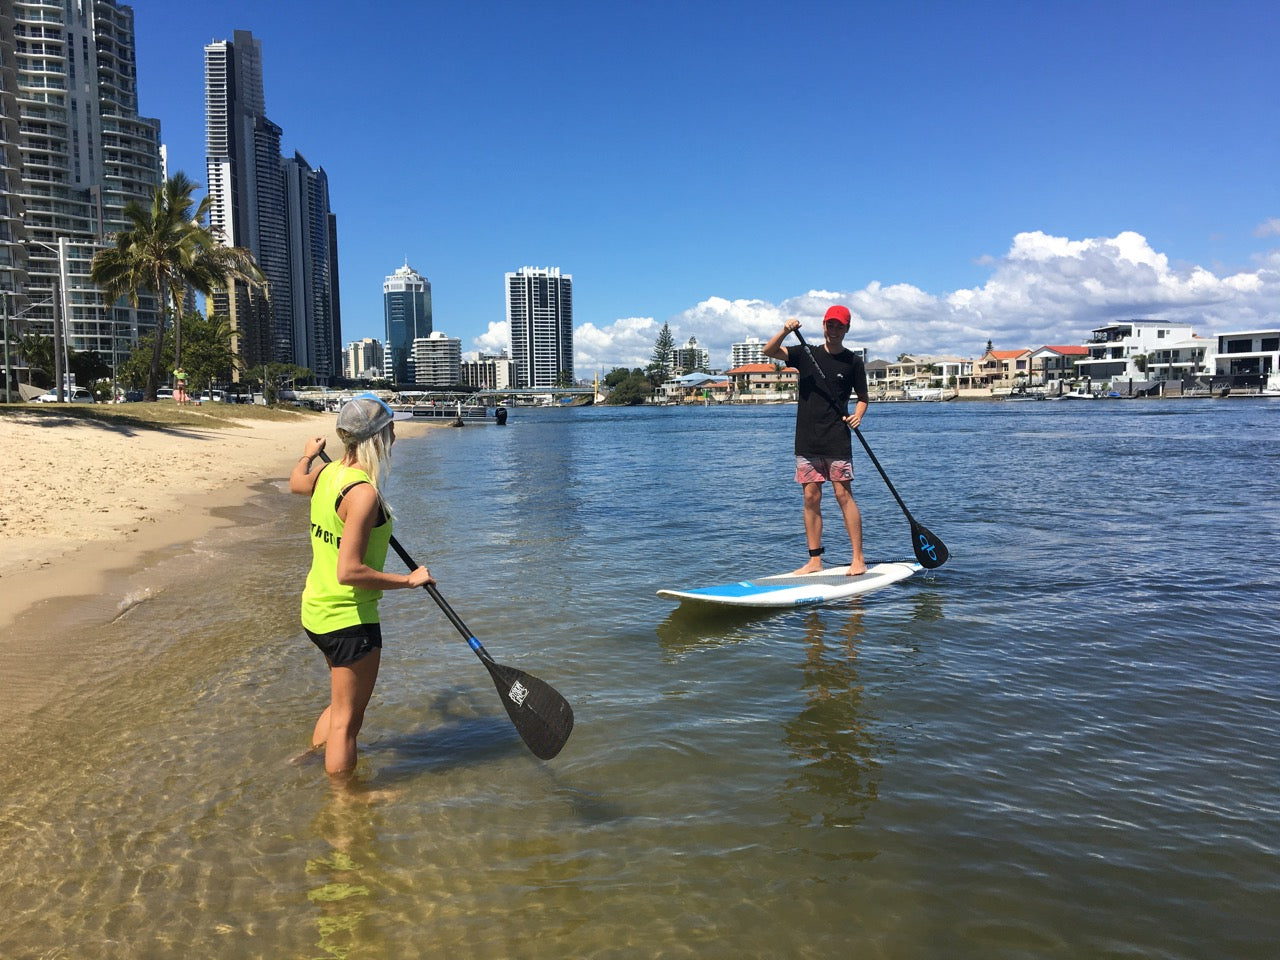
<point>627,342</point>
<point>1044,290</point>
<point>1268,228</point>
<point>495,340</point>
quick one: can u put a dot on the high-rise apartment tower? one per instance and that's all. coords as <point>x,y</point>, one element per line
<point>73,153</point>
<point>540,316</point>
<point>315,321</point>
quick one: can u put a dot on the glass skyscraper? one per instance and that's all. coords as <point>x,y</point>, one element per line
<point>278,210</point>
<point>246,187</point>
<point>540,316</point>
<point>315,324</point>
<point>406,302</point>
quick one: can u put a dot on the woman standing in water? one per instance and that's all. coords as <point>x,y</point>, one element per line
<point>350,532</point>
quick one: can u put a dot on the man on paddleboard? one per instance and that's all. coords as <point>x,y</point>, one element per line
<point>829,375</point>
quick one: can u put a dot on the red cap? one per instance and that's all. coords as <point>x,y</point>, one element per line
<point>839,314</point>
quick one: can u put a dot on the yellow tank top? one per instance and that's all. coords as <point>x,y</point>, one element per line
<point>328,605</point>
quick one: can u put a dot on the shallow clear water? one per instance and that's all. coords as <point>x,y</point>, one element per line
<point>1063,743</point>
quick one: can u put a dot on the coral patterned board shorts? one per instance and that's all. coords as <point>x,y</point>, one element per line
<point>820,469</point>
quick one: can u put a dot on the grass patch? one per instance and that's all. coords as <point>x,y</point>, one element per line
<point>160,415</point>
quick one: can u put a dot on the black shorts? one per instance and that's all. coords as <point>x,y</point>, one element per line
<point>344,647</point>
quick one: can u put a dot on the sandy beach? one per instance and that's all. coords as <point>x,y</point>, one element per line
<point>83,496</point>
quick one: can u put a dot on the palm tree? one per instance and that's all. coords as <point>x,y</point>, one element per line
<point>167,249</point>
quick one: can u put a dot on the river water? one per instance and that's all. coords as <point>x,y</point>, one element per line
<point>1063,743</point>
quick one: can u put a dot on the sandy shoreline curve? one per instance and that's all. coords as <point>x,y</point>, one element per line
<point>85,496</point>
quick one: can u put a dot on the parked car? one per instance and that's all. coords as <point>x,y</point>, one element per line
<point>212,396</point>
<point>78,395</point>
<point>164,393</point>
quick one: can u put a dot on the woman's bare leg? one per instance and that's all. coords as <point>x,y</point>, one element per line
<point>350,690</point>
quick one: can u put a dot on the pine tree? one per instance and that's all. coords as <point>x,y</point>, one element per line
<point>662,348</point>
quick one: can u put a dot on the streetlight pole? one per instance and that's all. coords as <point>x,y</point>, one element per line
<point>65,357</point>
<point>58,383</point>
<point>61,319</point>
<point>4,306</point>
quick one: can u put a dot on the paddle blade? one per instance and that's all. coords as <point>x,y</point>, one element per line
<point>930,551</point>
<point>541,716</point>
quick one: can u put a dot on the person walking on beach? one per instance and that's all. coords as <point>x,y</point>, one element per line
<point>829,375</point>
<point>350,533</point>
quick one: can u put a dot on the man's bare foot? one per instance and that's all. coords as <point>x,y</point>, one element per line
<point>857,569</point>
<point>813,566</point>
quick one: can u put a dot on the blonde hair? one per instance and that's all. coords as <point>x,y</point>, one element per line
<point>374,454</point>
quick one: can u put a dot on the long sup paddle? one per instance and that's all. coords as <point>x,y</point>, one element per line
<point>930,551</point>
<point>541,716</point>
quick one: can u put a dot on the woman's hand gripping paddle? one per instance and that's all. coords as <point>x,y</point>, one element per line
<point>930,551</point>
<point>541,716</point>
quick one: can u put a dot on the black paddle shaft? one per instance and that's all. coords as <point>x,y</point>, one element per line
<point>541,716</point>
<point>930,551</point>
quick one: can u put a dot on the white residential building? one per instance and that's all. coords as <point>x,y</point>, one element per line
<point>688,358</point>
<point>540,316</point>
<point>912,372</point>
<point>73,153</point>
<point>489,372</point>
<point>1124,351</point>
<point>437,361</point>
<point>748,351</point>
<point>1248,354</point>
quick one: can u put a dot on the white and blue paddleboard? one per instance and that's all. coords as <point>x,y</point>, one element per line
<point>798,589</point>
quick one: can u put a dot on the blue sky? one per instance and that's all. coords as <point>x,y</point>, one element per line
<point>954,172</point>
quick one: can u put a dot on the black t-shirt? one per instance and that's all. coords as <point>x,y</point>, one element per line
<point>820,430</point>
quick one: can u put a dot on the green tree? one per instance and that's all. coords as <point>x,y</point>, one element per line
<point>617,375</point>
<point>87,367</point>
<point>37,351</point>
<point>207,356</point>
<point>662,347</point>
<point>281,376</point>
<point>634,389</point>
<point>167,249</point>
<point>134,371</point>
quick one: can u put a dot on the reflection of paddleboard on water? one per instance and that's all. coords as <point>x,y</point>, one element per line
<point>797,589</point>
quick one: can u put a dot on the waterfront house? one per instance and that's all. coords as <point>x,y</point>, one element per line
<point>692,387</point>
<point>1055,363</point>
<point>907,372</point>
<point>762,382</point>
<point>919,373</point>
<point>1249,357</point>
<point>1181,360</point>
<point>1122,351</point>
<point>1001,368</point>
<point>949,371</point>
<point>877,376</point>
